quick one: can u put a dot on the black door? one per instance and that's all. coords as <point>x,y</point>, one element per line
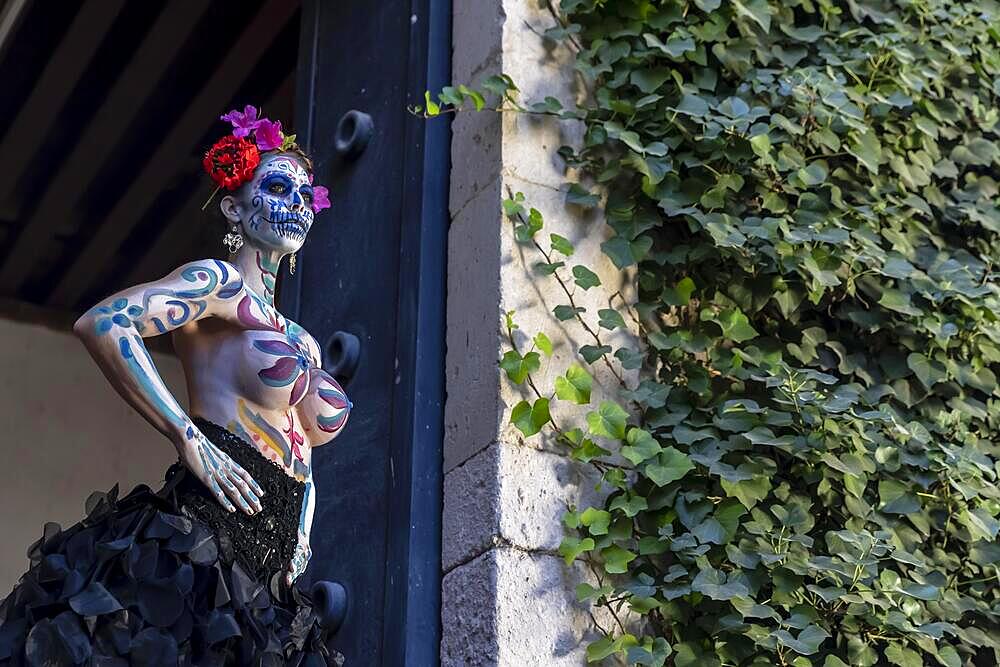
<point>373,269</point>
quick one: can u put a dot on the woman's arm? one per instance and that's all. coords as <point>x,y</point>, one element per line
<point>113,331</point>
<point>303,552</point>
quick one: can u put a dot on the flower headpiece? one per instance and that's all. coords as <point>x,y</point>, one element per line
<point>231,161</point>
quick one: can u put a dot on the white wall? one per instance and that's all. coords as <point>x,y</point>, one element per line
<point>65,433</point>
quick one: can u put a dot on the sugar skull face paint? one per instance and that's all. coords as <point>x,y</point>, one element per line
<point>277,204</point>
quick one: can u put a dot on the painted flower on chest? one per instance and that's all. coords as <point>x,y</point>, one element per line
<point>289,368</point>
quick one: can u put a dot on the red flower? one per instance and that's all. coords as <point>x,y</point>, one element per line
<point>231,161</point>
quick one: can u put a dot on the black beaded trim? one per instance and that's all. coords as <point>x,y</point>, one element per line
<point>262,543</point>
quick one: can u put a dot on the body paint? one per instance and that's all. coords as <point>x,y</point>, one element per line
<point>280,212</point>
<point>271,321</point>
<point>118,313</point>
<point>294,437</point>
<point>261,431</point>
<point>152,392</point>
<point>183,306</point>
<point>291,366</point>
<point>334,396</point>
<point>268,275</point>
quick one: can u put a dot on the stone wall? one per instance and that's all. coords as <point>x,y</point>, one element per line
<point>508,597</point>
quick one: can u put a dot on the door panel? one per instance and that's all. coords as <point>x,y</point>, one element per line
<point>373,267</point>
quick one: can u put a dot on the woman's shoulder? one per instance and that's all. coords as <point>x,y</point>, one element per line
<point>210,277</point>
<point>214,271</point>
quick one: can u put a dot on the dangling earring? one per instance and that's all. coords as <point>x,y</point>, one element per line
<point>291,265</point>
<point>234,240</point>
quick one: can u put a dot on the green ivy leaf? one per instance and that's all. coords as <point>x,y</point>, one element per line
<point>650,80</point>
<point>625,253</point>
<point>747,491</point>
<point>616,559</point>
<point>716,585</point>
<point>543,343</point>
<point>808,641</point>
<point>529,418</point>
<point>433,109</point>
<point>641,446</point>
<point>928,371</point>
<point>525,232</point>
<point>735,325</point>
<point>564,313</point>
<point>602,648</point>
<point>513,207</point>
<point>610,319</point>
<point>572,547</point>
<point>596,520</point>
<point>866,147</point>
<point>561,244</point>
<point>897,654</point>
<point>608,420</point>
<point>692,105</point>
<point>592,353</point>
<point>575,385</point>
<point>519,367</point>
<point>547,269</point>
<point>585,278</point>
<point>670,466</point>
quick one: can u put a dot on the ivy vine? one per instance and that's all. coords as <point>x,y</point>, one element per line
<point>806,192</point>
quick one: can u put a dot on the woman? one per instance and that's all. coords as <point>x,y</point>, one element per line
<point>202,571</point>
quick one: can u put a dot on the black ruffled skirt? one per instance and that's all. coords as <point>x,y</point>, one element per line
<point>141,582</point>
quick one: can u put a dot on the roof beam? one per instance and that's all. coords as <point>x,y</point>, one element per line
<point>70,180</point>
<point>10,15</point>
<point>175,237</point>
<point>171,154</point>
<point>63,70</point>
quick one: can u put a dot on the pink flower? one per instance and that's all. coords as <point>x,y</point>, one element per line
<point>321,198</point>
<point>243,123</point>
<point>268,135</point>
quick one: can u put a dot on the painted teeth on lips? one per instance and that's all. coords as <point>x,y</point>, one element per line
<point>290,229</point>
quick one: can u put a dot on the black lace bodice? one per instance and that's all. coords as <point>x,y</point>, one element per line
<point>262,543</point>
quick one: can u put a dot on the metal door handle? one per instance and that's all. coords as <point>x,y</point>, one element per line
<point>354,131</point>
<point>341,356</point>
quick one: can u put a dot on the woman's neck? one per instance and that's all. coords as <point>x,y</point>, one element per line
<point>259,269</point>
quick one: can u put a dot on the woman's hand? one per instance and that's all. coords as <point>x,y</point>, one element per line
<point>300,559</point>
<point>227,481</point>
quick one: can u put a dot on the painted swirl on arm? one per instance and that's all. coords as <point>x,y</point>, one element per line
<point>175,307</point>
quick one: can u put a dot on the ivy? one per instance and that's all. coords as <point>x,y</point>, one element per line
<point>805,195</point>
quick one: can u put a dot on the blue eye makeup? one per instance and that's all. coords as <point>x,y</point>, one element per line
<point>276,184</point>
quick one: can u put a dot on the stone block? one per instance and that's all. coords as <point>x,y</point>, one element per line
<point>510,608</point>
<point>477,32</point>
<point>473,328</point>
<point>511,495</point>
<point>468,614</point>
<point>475,158</point>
